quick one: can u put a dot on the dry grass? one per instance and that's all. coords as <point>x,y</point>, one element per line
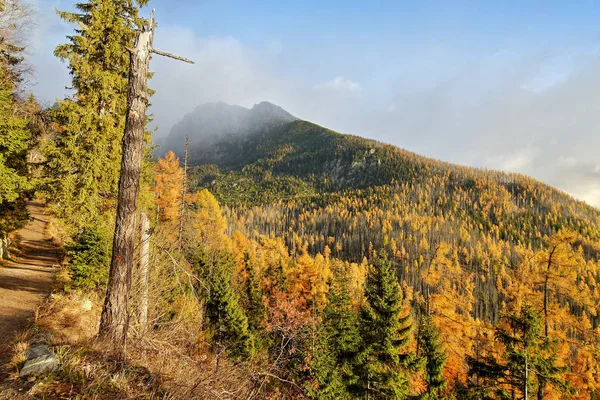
<point>57,232</point>
<point>70,318</point>
<point>163,363</point>
<point>170,360</point>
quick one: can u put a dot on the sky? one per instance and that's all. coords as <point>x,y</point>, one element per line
<point>508,85</point>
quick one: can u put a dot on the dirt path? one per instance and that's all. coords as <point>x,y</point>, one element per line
<point>25,283</point>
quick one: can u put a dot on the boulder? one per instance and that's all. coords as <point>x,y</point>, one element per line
<point>40,359</point>
<point>38,350</point>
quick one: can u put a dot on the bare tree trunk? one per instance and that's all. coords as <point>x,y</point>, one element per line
<point>546,294</point>
<point>526,388</point>
<point>183,189</point>
<point>115,314</point>
<point>144,270</point>
<point>3,246</point>
<point>114,322</point>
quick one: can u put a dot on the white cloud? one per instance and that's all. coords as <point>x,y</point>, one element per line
<point>339,83</point>
<point>486,115</point>
<point>516,161</point>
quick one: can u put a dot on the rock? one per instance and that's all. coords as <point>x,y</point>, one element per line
<point>38,350</point>
<point>45,363</point>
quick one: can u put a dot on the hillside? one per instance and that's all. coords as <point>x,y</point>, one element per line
<point>316,187</point>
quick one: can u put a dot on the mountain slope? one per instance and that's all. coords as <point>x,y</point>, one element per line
<point>319,188</point>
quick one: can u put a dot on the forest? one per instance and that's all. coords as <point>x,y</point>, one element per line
<point>292,262</point>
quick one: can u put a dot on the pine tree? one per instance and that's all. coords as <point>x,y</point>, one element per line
<point>85,156</point>
<point>430,348</point>
<point>382,363</point>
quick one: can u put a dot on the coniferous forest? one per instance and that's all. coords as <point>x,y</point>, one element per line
<point>281,260</point>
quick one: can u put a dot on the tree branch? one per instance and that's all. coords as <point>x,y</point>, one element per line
<point>164,54</point>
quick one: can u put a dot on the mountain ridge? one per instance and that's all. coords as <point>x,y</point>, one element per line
<point>276,129</point>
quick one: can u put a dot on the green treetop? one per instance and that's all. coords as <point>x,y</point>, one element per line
<point>86,154</point>
<point>15,136</point>
<point>338,343</point>
<point>432,352</point>
<point>385,330</point>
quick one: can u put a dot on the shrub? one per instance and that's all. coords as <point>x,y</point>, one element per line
<point>89,260</point>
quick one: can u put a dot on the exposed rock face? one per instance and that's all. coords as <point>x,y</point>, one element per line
<point>40,359</point>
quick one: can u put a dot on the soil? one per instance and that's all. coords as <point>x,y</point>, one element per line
<point>27,280</point>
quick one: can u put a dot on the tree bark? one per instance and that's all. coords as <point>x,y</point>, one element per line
<point>3,246</point>
<point>546,294</point>
<point>144,270</point>
<point>114,322</point>
<point>183,189</point>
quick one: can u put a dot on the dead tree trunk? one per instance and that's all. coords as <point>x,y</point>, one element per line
<point>3,246</point>
<point>144,270</point>
<point>114,322</point>
<point>115,314</point>
<point>183,189</point>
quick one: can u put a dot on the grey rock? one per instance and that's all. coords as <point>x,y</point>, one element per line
<point>38,350</point>
<point>42,364</point>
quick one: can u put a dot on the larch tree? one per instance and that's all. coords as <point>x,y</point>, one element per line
<point>528,364</point>
<point>168,182</point>
<point>558,271</point>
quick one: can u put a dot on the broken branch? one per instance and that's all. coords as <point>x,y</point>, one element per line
<point>165,54</point>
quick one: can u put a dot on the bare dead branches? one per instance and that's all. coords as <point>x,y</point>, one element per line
<point>165,54</point>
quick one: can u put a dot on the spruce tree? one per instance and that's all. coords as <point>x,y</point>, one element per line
<point>434,356</point>
<point>256,310</point>
<point>338,343</point>
<point>228,322</point>
<point>382,363</point>
<point>85,156</point>
<point>15,135</point>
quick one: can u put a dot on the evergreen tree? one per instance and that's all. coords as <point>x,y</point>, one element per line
<point>338,343</point>
<point>255,308</point>
<point>85,156</point>
<point>385,330</point>
<point>226,316</point>
<point>324,367</point>
<point>15,136</point>
<point>430,348</point>
<point>529,361</point>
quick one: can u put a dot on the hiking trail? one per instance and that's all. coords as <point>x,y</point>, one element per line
<point>26,281</point>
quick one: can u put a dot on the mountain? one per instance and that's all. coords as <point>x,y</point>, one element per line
<point>213,123</point>
<point>467,245</point>
<point>316,187</point>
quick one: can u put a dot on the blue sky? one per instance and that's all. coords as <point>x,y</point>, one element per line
<point>511,85</point>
